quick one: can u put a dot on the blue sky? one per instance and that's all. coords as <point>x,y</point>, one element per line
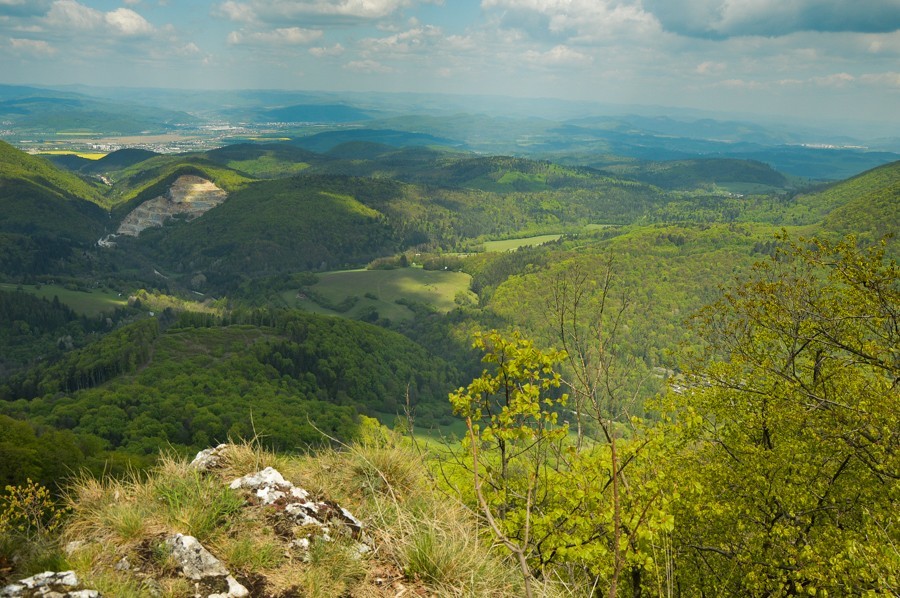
<point>818,59</point>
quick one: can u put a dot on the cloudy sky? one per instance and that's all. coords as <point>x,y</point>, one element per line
<point>828,59</point>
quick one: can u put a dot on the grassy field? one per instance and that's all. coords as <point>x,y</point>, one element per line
<point>380,289</point>
<point>513,244</point>
<point>86,303</point>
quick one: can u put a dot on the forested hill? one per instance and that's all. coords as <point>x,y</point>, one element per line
<point>46,215</point>
<point>288,376</point>
<point>21,169</point>
<point>866,205</point>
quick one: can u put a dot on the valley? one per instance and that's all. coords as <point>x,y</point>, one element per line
<point>573,308</point>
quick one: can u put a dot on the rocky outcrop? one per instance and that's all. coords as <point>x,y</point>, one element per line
<point>200,565</point>
<point>64,584</point>
<point>297,517</point>
<point>189,195</point>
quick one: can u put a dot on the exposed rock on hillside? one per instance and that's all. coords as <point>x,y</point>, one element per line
<point>60,585</point>
<point>297,518</point>
<point>190,195</point>
<point>200,565</point>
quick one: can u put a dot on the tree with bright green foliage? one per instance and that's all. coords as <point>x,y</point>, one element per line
<point>794,417</point>
<point>512,424</point>
<point>566,509</point>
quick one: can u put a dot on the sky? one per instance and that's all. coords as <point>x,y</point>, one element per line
<point>814,59</point>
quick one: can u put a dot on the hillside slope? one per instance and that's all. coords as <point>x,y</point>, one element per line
<point>45,214</point>
<point>204,380</point>
<point>869,204</point>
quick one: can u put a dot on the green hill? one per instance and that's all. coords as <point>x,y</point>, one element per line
<point>16,165</point>
<point>322,142</point>
<point>870,204</point>
<point>692,174</point>
<point>119,159</point>
<point>265,161</point>
<point>149,178</point>
<point>203,380</point>
<point>44,213</point>
<point>278,226</point>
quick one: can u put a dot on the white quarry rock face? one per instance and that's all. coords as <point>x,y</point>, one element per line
<point>190,195</point>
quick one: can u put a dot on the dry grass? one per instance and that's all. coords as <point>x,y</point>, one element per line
<point>423,542</point>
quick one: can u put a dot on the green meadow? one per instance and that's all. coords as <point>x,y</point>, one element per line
<point>513,244</point>
<point>380,290</point>
<point>89,303</point>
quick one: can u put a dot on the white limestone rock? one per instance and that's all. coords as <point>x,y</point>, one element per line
<point>199,564</point>
<point>209,459</point>
<point>61,584</point>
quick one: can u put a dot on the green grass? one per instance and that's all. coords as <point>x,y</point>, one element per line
<point>88,303</point>
<point>513,244</point>
<point>435,288</point>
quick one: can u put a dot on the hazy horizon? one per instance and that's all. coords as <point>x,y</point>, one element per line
<point>822,60</point>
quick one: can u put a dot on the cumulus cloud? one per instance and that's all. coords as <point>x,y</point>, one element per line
<point>283,36</point>
<point>587,20</point>
<point>412,40</point>
<point>236,11</point>
<point>32,46</point>
<point>128,22</point>
<point>68,14</point>
<point>296,11</point>
<point>728,18</point>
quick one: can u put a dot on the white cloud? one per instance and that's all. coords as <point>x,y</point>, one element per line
<point>235,11</point>
<point>367,67</point>
<point>283,36</point>
<point>128,22</point>
<point>882,79</point>
<point>558,56</point>
<point>325,51</point>
<point>710,68</point>
<point>834,80</point>
<point>297,11</point>
<point>131,2</point>
<point>32,46</point>
<point>66,15</point>
<point>70,14</point>
<point>413,40</point>
<point>585,20</point>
